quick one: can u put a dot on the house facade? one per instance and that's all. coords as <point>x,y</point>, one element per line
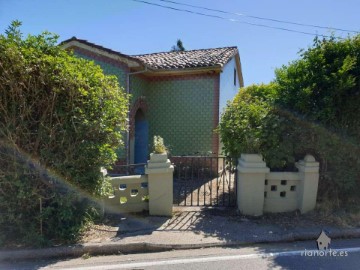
<point>177,95</point>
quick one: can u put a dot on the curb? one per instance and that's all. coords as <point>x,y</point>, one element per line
<point>118,248</point>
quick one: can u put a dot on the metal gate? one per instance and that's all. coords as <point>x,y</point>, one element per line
<point>204,181</point>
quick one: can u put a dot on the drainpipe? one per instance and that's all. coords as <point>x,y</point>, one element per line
<point>128,92</point>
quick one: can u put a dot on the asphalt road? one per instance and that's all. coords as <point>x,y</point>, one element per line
<point>297,255</point>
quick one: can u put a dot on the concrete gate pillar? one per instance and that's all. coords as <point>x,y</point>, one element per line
<point>160,184</point>
<point>251,184</point>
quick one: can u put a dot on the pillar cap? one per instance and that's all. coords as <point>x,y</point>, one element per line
<point>309,158</point>
<point>252,163</point>
<point>252,158</point>
<point>308,164</point>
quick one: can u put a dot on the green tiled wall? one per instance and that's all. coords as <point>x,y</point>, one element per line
<point>138,87</point>
<point>181,111</point>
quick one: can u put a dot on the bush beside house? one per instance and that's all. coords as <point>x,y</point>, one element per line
<point>61,120</point>
<point>311,107</point>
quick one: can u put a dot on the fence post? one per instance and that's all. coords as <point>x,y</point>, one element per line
<point>251,184</point>
<point>160,184</point>
<point>104,173</point>
<point>309,173</point>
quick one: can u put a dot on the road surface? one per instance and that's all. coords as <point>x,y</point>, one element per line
<point>344,254</point>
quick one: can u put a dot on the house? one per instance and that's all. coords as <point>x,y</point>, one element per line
<point>177,95</point>
<point>323,241</point>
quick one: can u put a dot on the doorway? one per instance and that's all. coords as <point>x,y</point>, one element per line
<point>141,138</point>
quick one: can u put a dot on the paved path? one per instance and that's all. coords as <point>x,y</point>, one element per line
<point>186,230</point>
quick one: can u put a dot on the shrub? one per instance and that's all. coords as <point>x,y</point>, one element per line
<point>241,122</point>
<point>61,119</point>
<point>159,147</point>
<point>311,107</point>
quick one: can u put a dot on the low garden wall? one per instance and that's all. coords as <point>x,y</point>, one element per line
<point>152,191</point>
<point>131,194</point>
<point>260,190</point>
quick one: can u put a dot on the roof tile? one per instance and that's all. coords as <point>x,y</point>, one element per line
<point>188,59</point>
<point>177,59</point>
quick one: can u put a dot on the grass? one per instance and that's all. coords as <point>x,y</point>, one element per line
<point>344,214</point>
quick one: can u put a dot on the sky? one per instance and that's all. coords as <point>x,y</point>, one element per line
<point>136,28</point>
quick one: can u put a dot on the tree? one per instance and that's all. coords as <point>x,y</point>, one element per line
<point>61,119</point>
<point>179,47</point>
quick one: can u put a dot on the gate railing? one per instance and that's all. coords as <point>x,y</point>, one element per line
<point>124,170</point>
<point>204,181</point>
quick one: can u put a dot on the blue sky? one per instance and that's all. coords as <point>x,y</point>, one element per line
<point>136,28</point>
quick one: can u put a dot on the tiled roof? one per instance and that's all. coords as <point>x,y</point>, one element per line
<point>217,57</point>
<point>188,59</point>
<point>83,41</point>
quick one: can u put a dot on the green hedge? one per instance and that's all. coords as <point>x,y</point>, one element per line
<point>61,119</point>
<point>311,107</point>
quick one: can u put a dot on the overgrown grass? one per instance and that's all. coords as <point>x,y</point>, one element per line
<point>341,213</point>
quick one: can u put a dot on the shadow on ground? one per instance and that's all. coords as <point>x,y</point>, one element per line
<point>225,225</point>
<point>194,226</point>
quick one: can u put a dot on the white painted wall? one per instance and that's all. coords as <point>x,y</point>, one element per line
<point>227,88</point>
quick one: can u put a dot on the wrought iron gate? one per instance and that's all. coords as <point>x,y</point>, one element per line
<point>204,181</point>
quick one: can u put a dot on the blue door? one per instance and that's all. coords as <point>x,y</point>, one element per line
<point>141,140</point>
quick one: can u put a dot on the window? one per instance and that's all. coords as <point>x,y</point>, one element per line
<point>234,76</point>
